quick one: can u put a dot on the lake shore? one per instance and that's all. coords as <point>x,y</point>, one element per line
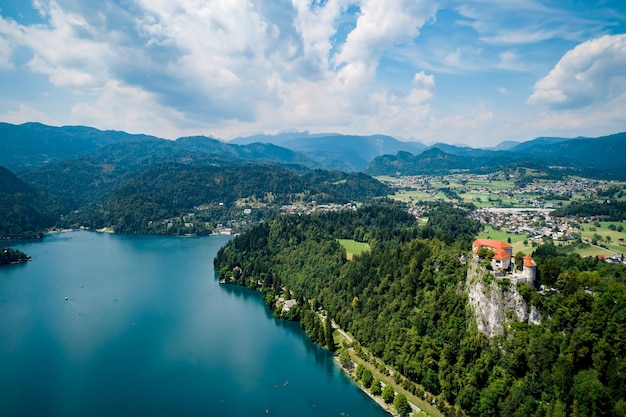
<point>379,401</point>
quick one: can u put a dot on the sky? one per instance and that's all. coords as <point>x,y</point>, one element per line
<point>472,72</point>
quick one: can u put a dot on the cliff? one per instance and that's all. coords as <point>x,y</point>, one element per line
<point>496,302</point>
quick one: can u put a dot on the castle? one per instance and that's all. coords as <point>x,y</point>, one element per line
<point>503,259</point>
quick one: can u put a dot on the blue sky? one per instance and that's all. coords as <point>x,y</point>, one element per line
<point>465,72</point>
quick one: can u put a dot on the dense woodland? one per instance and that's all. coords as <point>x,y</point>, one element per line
<point>24,211</point>
<point>146,202</point>
<point>609,211</point>
<point>405,301</point>
<point>12,256</point>
<point>164,198</point>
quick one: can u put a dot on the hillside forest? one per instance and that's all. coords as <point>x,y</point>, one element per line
<point>405,301</point>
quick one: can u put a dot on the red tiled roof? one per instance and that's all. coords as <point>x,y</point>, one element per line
<point>490,243</point>
<point>501,255</point>
<point>528,260</point>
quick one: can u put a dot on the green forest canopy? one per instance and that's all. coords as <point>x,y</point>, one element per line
<point>404,301</point>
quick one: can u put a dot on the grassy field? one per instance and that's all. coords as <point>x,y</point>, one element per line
<point>612,239</point>
<point>517,241</point>
<point>415,196</point>
<point>353,247</point>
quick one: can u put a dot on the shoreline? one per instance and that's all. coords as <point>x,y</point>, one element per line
<point>379,401</point>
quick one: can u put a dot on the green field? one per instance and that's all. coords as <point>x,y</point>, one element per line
<point>612,239</point>
<point>353,247</point>
<point>416,196</point>
<point>517,241</point>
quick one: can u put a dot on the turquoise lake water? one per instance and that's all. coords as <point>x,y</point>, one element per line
<point>146,330</point>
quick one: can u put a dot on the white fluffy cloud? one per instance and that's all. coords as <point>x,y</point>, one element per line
<point>586,90</point>
<point>67,49</point>
<point>228,68</point>
<point>380,26</point>
<point>591,72</point>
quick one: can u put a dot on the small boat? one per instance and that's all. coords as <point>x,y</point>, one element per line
<point>267,411</point>
<point>66,298</point>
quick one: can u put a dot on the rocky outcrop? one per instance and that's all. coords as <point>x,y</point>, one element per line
<point>495,301</point>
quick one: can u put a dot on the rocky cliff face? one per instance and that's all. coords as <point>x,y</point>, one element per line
<point>493,304</point>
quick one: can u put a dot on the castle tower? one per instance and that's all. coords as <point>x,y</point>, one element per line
<point>529,270</point>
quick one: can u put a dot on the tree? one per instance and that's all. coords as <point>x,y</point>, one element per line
<point>344,359</point>
<point>375,388</point>
<point>519,260</point>
<point>367,378</point>
<point>388,394</point>
<point>359,371</point>
<point>8,255</point>
<point>485,253</point>
<point>590,394</point>
<point>402,405</point>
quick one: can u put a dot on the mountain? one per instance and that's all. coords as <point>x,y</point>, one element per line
<point>256,151</point>
<point>146,202</point>
<point>277,139</point>
<point>605,153</point>
<point>595,157</point>
<point>541,142</point>
<point>31,145</point>
<point>504,146</point>
<point>335,151</point>
<point>90,178</point>
<point>24,212</point>
<point>435,161</point>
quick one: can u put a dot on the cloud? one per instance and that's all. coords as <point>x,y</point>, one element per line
<point>178,67</point>
<point>509,60</point>
<point>6,52</point>
<point>26,114</point>
<point>67,50</point>
<point>467,128</point>
<point>380,26</point>
<point>590,73</point>
<point>123,107</point>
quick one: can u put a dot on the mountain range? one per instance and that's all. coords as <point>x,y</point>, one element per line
<point>31,146</point>
<point>600,157</point>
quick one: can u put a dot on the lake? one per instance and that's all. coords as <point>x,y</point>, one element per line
<point>147,330</point>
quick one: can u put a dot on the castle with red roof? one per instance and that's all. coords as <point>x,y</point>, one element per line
<point>503,257</point>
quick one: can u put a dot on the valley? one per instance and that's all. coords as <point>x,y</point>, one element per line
<point>386,259</point>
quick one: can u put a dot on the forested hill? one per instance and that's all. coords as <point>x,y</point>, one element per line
<point>146,203</point>
<point>137,183</point>
<point>405,301</point>
<point>30,145</point>
<point>592,157</point>
<point>24,211</point>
